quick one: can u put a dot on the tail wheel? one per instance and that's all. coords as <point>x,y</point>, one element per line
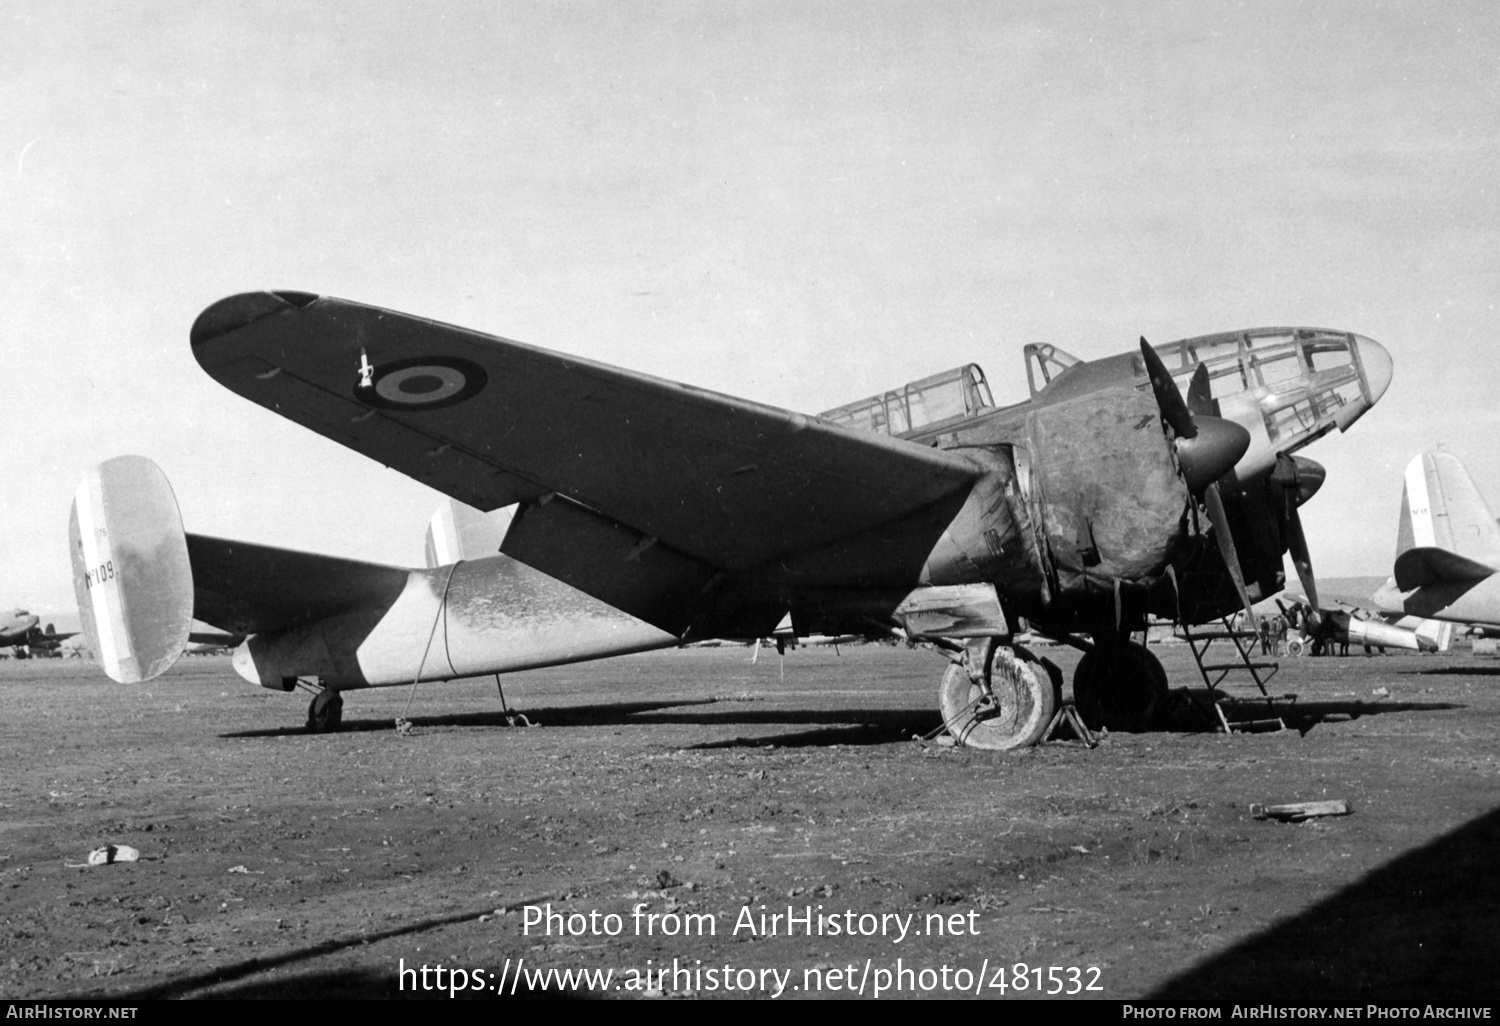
<point>1120,687</point>
<point>326,712</point>
<point>1013,711</point>
<point>1295,646</point>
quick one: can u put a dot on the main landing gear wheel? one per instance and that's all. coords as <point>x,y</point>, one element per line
<point>1120,687</point>
<point>1009,707</point>
<point>325,713</point>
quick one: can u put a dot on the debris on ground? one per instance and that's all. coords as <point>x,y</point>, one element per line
<point>107,854</point>
<point>1298,811</point>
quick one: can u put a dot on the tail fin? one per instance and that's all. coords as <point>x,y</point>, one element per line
<point>457,532</point>
<point>1446,532</point>
<point>131,574</point>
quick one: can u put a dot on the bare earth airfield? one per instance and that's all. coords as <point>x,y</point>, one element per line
<point>695,783</point>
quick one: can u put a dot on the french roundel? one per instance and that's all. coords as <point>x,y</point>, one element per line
<point>422,383</point>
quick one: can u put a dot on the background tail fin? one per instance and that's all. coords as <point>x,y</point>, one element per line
<point>131,574</point>
<point>1441,508</point>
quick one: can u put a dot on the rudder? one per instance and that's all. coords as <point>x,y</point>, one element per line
<point>131,574</point>
<point>1442,508</point>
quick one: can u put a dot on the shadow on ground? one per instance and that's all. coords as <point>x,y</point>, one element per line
<point>220,982</point>
<point>1455,671</point>
<point>1422,929</point>
<point>1193,712</point>
<point>840,726</point>
<point>362,984</point>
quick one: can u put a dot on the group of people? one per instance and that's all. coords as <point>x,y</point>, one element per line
<point>1273,632</point>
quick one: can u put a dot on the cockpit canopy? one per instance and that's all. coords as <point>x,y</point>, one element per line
<point>920,407</point>
<point>1302,380</point>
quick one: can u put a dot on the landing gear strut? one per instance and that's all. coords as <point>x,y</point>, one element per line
<point>1120,686</point>
<point>325,713</point>
<point>997,698</point>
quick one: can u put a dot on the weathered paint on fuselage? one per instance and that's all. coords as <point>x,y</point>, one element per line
<point>491,615</point>
<point>1080,490</point>
<point>1099,489</point>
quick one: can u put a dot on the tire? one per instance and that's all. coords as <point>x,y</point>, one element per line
<point>1120,688</point>
<point>1015,713</point>
<point>325,714</point>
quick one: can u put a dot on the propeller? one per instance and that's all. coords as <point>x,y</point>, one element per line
<point>1207,448</point>
<point>1293,481</point>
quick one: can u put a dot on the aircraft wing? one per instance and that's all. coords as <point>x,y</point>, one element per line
<point>246,588</point>
<point>490,422</point>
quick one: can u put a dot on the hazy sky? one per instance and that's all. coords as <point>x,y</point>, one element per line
<point>801,203</point>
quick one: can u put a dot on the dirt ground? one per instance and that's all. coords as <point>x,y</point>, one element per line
<point>704,790</point>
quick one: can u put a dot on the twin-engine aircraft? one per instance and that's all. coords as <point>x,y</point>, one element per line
<point>1162,481</point>
<point>1447,547</point>
<point>22,632</point>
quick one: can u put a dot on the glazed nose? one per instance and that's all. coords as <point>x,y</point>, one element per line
<point>1377,366</point>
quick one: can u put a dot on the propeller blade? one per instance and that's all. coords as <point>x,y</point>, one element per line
<point>1173,410</point>
<point>1220,520</point>
<point>1200,398</point>
<point>1301,559</point>
<point>1298,479</point>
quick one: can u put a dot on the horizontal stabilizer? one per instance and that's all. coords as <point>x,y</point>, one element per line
<point>245,588</point>
<point>131,574</point>
<point>1426,565</point>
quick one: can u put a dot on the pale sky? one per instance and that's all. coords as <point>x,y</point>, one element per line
<point>801,203</point>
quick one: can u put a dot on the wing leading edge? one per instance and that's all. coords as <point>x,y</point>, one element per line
<point>490,422</point>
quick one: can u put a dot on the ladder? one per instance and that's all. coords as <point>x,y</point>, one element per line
<point>1242,661</point>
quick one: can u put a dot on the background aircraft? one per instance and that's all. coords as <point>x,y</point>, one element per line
<point>1447,547</point>
<point>1340,623</point>
<point>924,512</point>
<point>20,631</point>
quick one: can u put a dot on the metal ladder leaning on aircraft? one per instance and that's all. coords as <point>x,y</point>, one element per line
<point>1109,495</point>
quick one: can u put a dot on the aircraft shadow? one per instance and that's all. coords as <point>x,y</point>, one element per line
<point>350,983</point>
<point>1196,714</point>
<point>365,984</point>
<point>842,726</point>
<point>1456,671</point>
<point>1423,928</point>
<point>866,727</point>
<point>857,726</point>
<point>563,716</point>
